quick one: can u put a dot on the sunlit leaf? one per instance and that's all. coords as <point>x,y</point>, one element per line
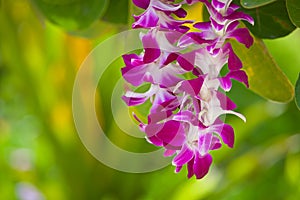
<point>297,92</point>
<point>265,76</point>
<point>293,7</point>
<point>271,21</point>
<point>292,168</point>
<point>72,14</point>
<point>255,3</point>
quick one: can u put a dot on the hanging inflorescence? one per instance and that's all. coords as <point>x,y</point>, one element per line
<point>183,68</point>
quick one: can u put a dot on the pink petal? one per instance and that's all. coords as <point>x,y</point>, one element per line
<point>134,75</point>
<point>172,133</point>
<point>227,135</point>
<point>141,3</point>
<point>155,141</point>
<point>243,36</point>
<point>190,168</point>
<point>186,61</point>
<point>202,165</point>
<point>181,13</point>
<point>234,63</point>
<point>238,75</point>
<point>226,132</point>
<point>193,86</point>
<point>169,152</point>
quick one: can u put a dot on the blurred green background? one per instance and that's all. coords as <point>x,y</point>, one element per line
<point>42,157</point>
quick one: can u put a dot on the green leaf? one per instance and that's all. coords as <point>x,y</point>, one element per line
<point>96,30</point>
<point>117,12</point>
<point>297,92</point>
<point>293,7</point>
<point>205,14</point>
<point>271,21</point>
<point>72,14</point>
<point>265,76</point>
<point>249,4</point>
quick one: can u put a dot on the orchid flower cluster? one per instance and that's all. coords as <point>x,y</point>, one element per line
<point>182,69</point>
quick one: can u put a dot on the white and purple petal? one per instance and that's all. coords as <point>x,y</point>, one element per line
<point>226,132</point>
<point>133,98</point>
<point>147,19</point>
<point>237,16</point>
<point>184,156</point>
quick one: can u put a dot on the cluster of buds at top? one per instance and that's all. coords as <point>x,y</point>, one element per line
<point>182,69</point>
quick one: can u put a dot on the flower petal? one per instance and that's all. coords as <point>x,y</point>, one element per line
<point>238,75</point>
<point>181,13</point>
<point>217,4</point>
<point>160,5</point>
<point>141,3</point>
<point>190,168</point>
<point>240,16</point>
<point>184,156</point>
<point>227,135</point>
<point>226,132</point>
<point>242,35</point>
<point>192,87</point>
<point>203,26</point>
<point>146,20</point>
<point>186,61</point>
<point>225,102</point>
<point>215,143</point>
<point>156,117</point>
<point>188,117</point>
<point>234,63</point>
<point>134,75</point>
<point>204,143</point>
<point>152,51</point>
<point>170,58</point>
<point>169,152</point>
<point>171,133</point>
<point>178,168</point>
<point>134,98</point>
<point>202,165</point>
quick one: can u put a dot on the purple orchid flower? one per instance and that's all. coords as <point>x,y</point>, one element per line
<point>185,114</point>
